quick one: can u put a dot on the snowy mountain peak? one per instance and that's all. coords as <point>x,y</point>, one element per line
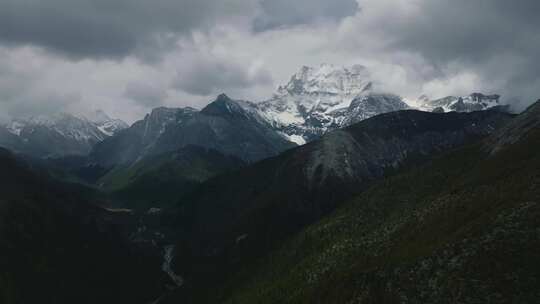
<point>327,79</point>
<point>319,99</point>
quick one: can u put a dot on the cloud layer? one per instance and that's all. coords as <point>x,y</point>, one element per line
<point>111,28</point>
<point>127,56</point>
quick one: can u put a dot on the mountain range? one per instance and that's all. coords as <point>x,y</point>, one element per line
<point>224,125</point>
<point>313,102</point>
<point>58,135</point>
<point>470,103</point>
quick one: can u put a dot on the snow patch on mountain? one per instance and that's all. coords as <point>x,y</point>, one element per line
<point>297,139</point>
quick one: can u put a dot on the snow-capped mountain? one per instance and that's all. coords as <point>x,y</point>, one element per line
<point>321,99</point>
<point>470,103</point>
<point>59,134</point>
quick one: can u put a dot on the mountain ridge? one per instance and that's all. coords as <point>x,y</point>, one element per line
<point>223,125</point>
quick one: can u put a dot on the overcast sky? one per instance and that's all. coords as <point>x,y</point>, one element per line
<point>128,56</point>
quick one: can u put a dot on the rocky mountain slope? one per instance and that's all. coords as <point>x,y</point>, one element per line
<point>232,219</point>
<point>463,228</point>
<point>58,135</point>
<point>224,125</point>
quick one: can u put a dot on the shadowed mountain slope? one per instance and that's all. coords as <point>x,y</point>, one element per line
<point>57,247</point>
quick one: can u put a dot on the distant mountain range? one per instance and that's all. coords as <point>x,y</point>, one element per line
<point>313,102</point>
<point>470,103</point>
<point>58,135</point>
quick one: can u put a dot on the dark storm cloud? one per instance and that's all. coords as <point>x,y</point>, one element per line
<point>278,13</point>
<point>116,28</point>
<point>108,28</point>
